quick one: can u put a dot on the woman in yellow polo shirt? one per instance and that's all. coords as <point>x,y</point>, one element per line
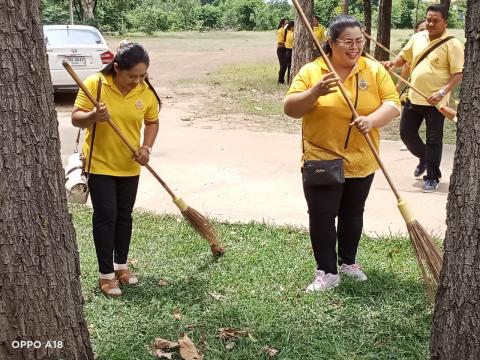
<point>328,135</point>
<point>130,101</point>
<point>289,40</point>
<point>281,50</point>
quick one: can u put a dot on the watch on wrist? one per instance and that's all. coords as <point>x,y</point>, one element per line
<point>442,92</point>
<point>149,149</point>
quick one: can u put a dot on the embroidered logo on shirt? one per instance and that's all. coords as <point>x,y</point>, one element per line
<point>363,84</point>
<point>139,105</point>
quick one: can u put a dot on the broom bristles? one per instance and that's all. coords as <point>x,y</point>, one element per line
<point>428,254</point>
<point>205,228</point>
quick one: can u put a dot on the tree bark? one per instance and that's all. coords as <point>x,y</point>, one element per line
<point>367,13</point>
<point>446,3</point>
<point>303,44</point>
<point>88,6</point>
<point>456,319</point>
<point>41,298</point>
<point>383,28</point>
<point>345,7</point>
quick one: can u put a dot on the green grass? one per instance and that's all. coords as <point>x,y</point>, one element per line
<point>261,281</point>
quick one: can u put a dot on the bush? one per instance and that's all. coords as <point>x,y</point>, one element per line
<point>148,20</point>
<point>208,16</point>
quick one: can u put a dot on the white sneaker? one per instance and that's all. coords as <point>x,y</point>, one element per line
<point>354,271</point>
<point>323,281</point>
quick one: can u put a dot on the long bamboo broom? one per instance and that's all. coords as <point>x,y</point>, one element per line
<point>199,222</point>
<point>446,111</point>
<point>429,256</point>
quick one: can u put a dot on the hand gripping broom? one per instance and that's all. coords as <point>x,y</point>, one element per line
<point>428,255</point>
<point>446,111</point>
<point>199,222</point>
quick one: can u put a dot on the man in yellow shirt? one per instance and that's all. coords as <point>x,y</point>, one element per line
<point>436,61</point>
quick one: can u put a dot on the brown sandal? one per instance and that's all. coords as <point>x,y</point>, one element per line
<point>109,287</point>
<point>126,277</point>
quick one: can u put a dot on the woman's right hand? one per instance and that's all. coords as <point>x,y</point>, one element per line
<point>327,85</point>
<point>101,114</point>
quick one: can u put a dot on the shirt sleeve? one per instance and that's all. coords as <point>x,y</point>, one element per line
<point>151,114</point>
<point>456,56</point>
<point>82,101</point>
<point>301,81</point>
<point>406,53</point>
<point>280,35</point>
<point>386,87</point>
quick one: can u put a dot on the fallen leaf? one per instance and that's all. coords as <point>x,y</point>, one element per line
<point>165,344</point>
<point>162,354</point>
<point>230,345</point>
<point>188,351</point>
<point>176,314</point>
<point>168,97</point>
<point>270,351</point>
<point>186,119</point>
<point>216,296</point>
<point>253,90</point>
<point>258,108</point>
<point>202,343</point>
<point>231,333</point>
<point>162,282</point>
<point>132,261</point>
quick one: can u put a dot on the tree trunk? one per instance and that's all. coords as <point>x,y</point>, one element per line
<point>88,6</point>
<point>446,3</point>
<point>345,7</point>
<point>41,298</point>
<point>383,28</point>
<point>367,12</point>
<point>303,49</point>
<point>456,319</point>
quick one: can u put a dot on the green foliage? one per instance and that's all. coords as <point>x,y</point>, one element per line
<point>325,10</point>
<point>148,20</point>
<point>402,14</point>
<point>208,16</point>
<point>54,12</point>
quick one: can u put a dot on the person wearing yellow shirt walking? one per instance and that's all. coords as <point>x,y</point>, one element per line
<point>282,60</point>
<point>129,101</point>
<point>332,145</point>
<point>436,62</point>
<point>289,40</point>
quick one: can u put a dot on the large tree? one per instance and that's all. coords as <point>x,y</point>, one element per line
<point>446,3</point>
<point>367,14</point>
<point>383,28</point>
<point>41,299</point>
<point>456,323</point>
<point>303,49</point>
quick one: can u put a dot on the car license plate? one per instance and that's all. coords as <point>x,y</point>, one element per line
<point>76,60</point>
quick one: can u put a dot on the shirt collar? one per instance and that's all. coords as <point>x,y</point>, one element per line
<point>108,80</point>
<point>359,66</point>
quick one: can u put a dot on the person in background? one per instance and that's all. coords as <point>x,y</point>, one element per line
<point>281,50</point>
<point>328,134</point>
<point>435,75</point>
<point>421,25</point>
<point>319,30</point>
<point>289,41</point>
<point>130,101</point>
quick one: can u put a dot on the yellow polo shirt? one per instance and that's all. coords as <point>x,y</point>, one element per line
<point>110,155</point>
<point>320,33</point>
<point>432,73</point>
<point>289,41</point>
<point>326,126</point>
<point>280,36</point>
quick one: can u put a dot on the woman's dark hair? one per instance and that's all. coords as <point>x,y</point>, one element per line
<point>281,23</point>
<point>337,26</point>
<point>290,25</point>
<point>128,56</point>
<point>419,22</point>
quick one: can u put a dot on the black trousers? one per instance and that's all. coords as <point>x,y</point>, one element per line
<point>288,59</point>
<point>325,203</point>
<point>431,152</point>
<point>282,60</point>
<point>113,198</point>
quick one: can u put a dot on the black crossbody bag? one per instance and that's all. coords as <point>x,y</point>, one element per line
<point>326,172</point>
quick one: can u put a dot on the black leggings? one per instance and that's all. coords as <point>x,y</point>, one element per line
<point>325,203</point>
<point>282,60</point>
<point>288,59</point>
<point>430,153</point>
<point>113,198</point>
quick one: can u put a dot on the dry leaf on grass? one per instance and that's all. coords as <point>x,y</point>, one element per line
<point>162,355</point>
<point>165,344</point>
<point>188,351</point>
<point>176,314</point>
<point>230,345</point>
<point>202,343</point>
<point>270,351</point>
<point>231,333</point>
<point>217,296</point>
<point>162,282</point>
<point>132,261</point>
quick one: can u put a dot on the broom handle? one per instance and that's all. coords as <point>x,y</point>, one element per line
<point>394,73</point>
<point>82,86</point>
<point>347,98</point>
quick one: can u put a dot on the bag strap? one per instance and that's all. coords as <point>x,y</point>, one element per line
<point>429,51</point>
<point>94,128</point>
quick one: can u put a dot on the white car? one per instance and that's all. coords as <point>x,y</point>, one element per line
<point>81,46</point>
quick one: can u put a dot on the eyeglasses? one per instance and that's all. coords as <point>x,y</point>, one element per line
<point>350,43</point>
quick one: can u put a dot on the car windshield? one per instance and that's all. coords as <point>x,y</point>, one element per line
<point>72,37</point>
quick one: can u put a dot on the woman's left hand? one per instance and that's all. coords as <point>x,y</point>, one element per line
<point>142,156</point>
<point>363,123</point>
